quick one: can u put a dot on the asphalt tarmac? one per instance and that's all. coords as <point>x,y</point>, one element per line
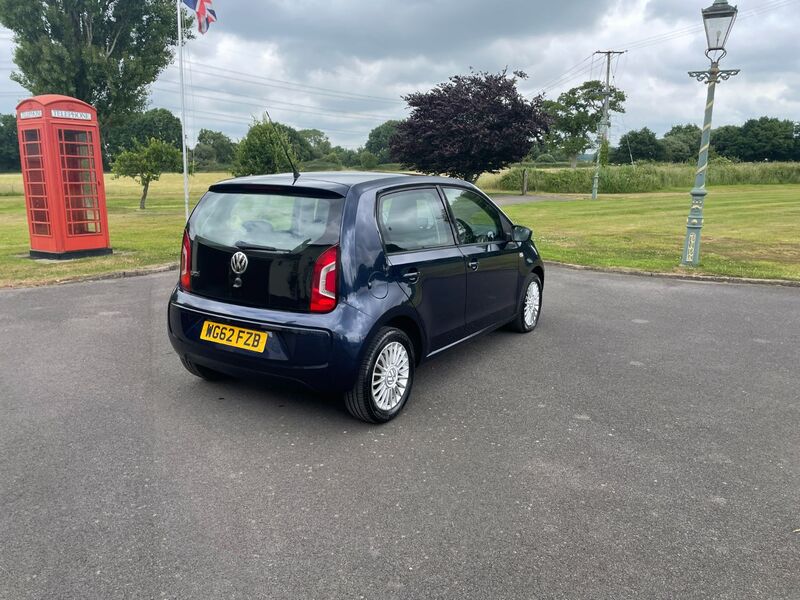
<point>643,442</point>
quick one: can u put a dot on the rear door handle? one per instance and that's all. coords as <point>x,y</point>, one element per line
<point>473,264</point>
<point>411,276</point>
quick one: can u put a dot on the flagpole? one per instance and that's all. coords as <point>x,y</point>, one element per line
<point>183,114</point>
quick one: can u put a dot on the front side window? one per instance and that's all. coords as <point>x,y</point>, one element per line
<point>477,221</point>
<point>267,221</point>
<point>413,220</point>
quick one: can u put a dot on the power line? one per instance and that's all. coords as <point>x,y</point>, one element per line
<point>270,102</point>
<point>567,79</point>
<point>567,73</point>
<point>227,118</point>
<point>292,85</point>
<point>274,109</point>
<point>295,87</point>
<point>304,85</point>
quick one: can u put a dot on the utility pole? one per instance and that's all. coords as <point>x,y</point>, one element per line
<point>602,133</point>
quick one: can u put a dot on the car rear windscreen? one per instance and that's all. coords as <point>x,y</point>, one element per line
<point>272,221</point>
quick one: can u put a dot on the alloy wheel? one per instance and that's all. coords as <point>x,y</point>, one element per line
<point>533,302</point>
<point>390,376</point>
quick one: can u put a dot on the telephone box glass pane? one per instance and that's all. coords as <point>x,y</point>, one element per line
<point>35,188</point>
<point>80,181</point>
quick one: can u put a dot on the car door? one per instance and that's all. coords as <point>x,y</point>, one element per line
<point>492,260</point>
<point>424,260</point>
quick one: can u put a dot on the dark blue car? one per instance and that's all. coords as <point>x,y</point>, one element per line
<point>347,281</point>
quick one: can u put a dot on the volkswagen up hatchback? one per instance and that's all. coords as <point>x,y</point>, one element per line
<point>347,281</point>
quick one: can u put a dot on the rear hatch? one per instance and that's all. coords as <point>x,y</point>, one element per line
<point>281,231</point>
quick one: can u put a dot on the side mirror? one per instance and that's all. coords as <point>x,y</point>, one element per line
<point>521,234</point>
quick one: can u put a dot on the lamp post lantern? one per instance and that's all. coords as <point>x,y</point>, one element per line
<point>718,21</point>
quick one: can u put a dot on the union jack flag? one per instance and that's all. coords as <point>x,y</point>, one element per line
<point>204,12</point>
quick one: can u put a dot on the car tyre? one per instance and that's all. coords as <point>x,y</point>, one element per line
<point>201,371</point>
<point>385,378</point>
<point>530,305</point>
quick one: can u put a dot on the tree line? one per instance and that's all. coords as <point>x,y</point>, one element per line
<point>757,140</point>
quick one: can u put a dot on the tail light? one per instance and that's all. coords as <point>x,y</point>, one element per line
<point>186,263</point>
<point>323,282</point>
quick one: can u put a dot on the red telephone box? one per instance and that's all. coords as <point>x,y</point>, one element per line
<point>62,170</point>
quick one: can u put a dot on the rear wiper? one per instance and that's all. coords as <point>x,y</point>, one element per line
<point>246,246</point>
<point>300,245</point>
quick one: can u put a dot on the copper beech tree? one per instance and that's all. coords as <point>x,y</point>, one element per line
<point>469,125</point>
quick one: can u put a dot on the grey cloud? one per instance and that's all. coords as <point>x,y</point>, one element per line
<point>327,31</point>
<point>675,10</point>
<point>389,49</point>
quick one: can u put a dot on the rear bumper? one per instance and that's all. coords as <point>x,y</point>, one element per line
<point>321,351</point>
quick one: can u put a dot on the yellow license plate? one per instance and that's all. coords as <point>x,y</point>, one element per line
<point>238,337</point>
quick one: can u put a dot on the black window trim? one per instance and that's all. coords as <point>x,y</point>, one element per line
<point>409,188</point>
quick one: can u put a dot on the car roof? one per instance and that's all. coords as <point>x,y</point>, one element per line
<point>339,181</point>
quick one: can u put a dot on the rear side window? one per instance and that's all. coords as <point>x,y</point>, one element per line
<point>413,220</point>
<point>270,221</point>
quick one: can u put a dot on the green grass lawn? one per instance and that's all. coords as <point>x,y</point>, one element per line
<point>139,238</point>
<point>751,231</point>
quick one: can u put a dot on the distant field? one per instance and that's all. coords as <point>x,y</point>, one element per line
<point>751,231</point>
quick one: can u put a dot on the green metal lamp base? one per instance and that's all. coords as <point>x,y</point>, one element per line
<point>694,224</point>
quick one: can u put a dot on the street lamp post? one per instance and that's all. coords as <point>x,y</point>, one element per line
<point>718,20</point>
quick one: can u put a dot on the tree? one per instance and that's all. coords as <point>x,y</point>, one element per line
<point>223,147</point>
<point>760,139</point>
<point>378,141</point>
<point>261,152</point>
<point>642,145</point>
<point>145,164</point>
<point>347,156</point>
<point>469,124</point>
<point>576,115</point>
<point>301,148</point>
<point>204,158</point>
<point>620,155</point>
<point>368,160</point>
<point>9,147</point>
<point>103,52</point>
<point>604,153</point>
<point>766,139</point>
<point>681,143</point>
<point>727,140</point>
<point>139,128</point>
<point>320,144</point>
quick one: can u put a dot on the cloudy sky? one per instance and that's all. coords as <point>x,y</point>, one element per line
<point>343,65</point>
